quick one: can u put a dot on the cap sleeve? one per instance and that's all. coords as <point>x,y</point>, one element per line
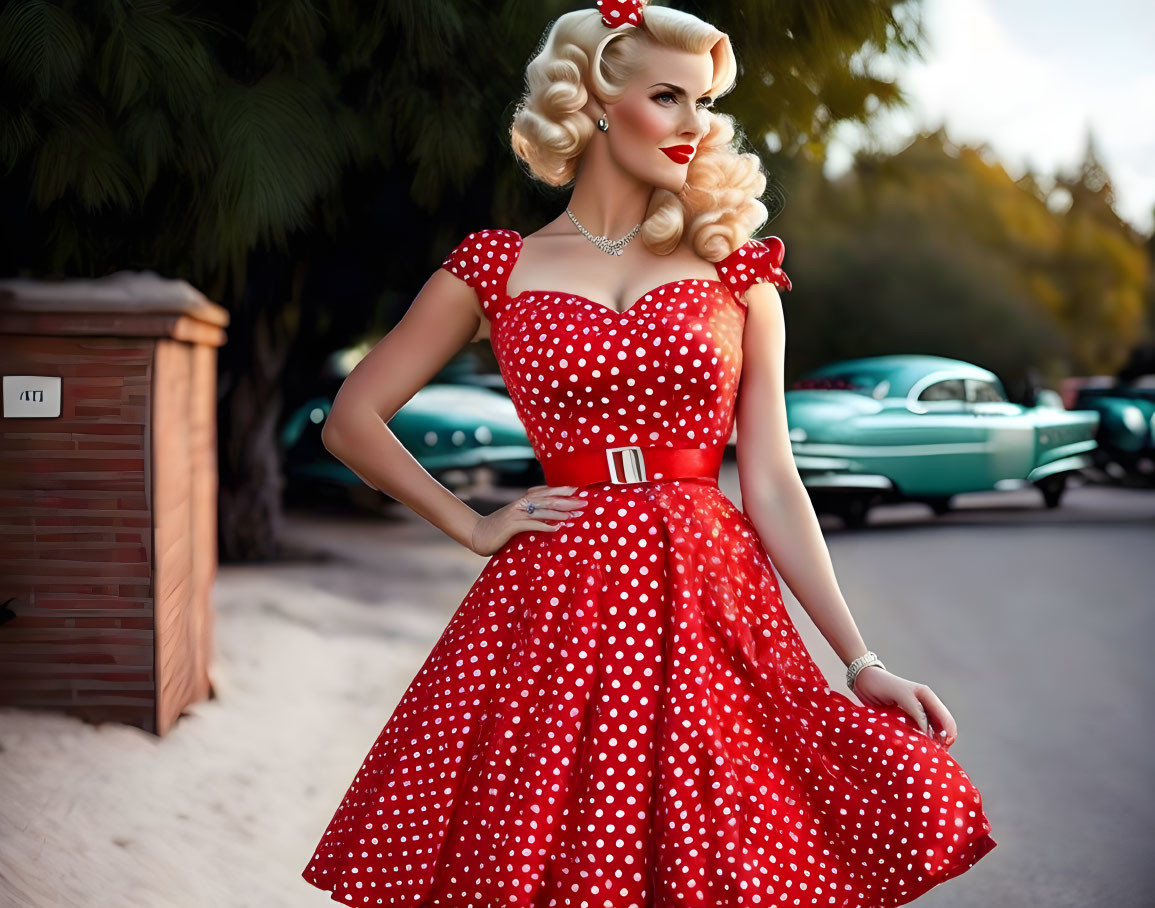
<point>483,260</point>
<point>754,262</point>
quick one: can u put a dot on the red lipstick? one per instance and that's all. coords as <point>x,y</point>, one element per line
<point>679,154</point>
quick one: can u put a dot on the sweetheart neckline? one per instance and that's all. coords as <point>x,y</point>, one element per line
<point>619,312</point>
<point>612,311</point>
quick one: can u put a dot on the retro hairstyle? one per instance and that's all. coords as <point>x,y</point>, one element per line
<point>720,203</point>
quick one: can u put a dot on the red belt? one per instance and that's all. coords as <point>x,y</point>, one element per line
<point>632,464</point>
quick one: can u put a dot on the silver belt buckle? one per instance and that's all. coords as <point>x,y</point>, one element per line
<point>634,466</point>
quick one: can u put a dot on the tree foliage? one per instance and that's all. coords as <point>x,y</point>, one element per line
<point>188,136</point>
<point>307,163</point>
<point>936,249</point>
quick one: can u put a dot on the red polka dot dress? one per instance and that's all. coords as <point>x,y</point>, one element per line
<point>621,714</point>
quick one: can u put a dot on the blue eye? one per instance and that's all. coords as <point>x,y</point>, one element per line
<point>705,104</point>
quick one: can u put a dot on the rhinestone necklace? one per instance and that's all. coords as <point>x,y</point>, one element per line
<point>605,244</point>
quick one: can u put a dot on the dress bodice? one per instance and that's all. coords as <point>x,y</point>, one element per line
<point>663,372</point>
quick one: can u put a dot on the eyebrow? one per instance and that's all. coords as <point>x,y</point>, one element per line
<point>677,89</point>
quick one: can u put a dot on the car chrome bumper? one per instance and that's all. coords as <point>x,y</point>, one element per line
<point>1063,465</point>
<point>847,481</point>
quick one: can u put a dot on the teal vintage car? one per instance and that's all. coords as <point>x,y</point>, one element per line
<point>925,428</point>
<point>1126,436</point>
<point>460,430</point>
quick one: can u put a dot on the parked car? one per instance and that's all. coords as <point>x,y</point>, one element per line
<point>925,428</point>
<point>1126,436</point>
<point>460,431</point>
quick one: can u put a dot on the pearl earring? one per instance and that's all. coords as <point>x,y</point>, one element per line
<point>603,124</point>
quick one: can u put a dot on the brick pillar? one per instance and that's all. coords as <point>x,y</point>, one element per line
<point>108,487</point>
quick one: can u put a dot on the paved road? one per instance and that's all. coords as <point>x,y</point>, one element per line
<point>1036,628</point>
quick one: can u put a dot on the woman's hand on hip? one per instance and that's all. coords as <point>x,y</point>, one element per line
<point>550,504</point>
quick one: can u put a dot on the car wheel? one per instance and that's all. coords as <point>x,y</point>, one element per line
<point>940,504</point>
<point>853,511</point>
<point>1052,488</point>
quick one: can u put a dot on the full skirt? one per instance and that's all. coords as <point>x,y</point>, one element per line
<point>621,714</point>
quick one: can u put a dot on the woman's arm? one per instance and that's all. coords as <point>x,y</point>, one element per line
<point>441,320</point>
<point>773,495</point>
<point>777,504</point>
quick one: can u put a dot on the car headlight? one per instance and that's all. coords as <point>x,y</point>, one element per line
<point>1133,420</point>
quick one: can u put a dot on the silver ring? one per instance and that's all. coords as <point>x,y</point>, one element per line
<point>530,507</point>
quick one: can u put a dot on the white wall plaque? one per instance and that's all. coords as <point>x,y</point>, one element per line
<point>31,395</point>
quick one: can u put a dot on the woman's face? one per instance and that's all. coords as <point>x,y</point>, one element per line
<point>664,107</point>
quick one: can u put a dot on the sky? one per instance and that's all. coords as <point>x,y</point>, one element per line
<point>1031,78</point>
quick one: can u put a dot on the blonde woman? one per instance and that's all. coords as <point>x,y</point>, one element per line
<point>620,713</point>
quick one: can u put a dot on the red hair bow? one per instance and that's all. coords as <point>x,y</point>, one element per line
<point>621,12</point>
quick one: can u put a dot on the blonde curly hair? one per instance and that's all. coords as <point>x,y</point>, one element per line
<point>719,205</point>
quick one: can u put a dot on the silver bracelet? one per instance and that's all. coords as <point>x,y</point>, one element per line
<point>852,670</point>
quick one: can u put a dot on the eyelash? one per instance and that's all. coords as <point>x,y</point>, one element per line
<point>706,105</point>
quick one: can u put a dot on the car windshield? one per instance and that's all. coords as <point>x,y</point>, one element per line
<point>984,392</point>
<point>866,383</point>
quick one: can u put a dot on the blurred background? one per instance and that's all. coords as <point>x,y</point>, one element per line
<point>966,193</point>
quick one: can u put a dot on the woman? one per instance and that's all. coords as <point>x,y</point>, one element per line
<point>621,713</point>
